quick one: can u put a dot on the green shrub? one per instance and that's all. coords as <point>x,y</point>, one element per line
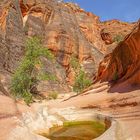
<point>81,82</point>
<point>47,76</point>
<point>118,38</point>
<point>81,79</point>
<point>25,77</point>
<point>74,62</point>
<point>53,95</point>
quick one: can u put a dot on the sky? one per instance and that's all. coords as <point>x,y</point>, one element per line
<point>125,10</point>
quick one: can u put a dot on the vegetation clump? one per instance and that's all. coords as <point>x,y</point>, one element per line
<point>74,63</point>
<point>48,76</point>
<point>81,79</point>
<point>53,95</point>
<point>25,77</point>
<point>118,38</point>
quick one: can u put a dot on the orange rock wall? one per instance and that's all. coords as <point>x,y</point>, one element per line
<point>123,63</point>
<point>65,28</point>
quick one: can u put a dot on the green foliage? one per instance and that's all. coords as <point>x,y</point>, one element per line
<point>81,82</point>
<point>74,63</point>
<point>47,76</point>
<point>25,77</point>
<point>81,79</point>
<point>118,38</point>
<point>53,95</point>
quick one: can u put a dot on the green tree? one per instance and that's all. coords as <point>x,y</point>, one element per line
<point>74,62</point>
<point>118,38</point>
<point>81,81</point>
<point>53,95</point>
<point>25,77</point>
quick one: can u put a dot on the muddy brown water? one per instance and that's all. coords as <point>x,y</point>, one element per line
<point>81,130</point>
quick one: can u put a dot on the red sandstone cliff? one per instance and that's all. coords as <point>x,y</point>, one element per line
<point>122,65</point>
<point>65,29</point>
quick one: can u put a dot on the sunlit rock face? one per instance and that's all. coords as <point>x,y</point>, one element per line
<point>116,27</point>
<point>113,31</point>
<point>65,28</point>
<point>106,37</point>
<point>123,63</point>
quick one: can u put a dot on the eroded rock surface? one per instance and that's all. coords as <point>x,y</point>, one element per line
<point>122,64</point>
<point>11,35</point>
<point>65,28</point>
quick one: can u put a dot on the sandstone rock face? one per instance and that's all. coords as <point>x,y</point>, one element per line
<point>65,28</point>
<point>57,81</point>
<point>122,64</point>
<point>11,35</point>
<point>62,28</point>
<point>113,31</point>
<point>106,37</point>
<point>116,27</point>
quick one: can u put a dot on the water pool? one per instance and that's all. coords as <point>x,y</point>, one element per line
<point>77,130</point>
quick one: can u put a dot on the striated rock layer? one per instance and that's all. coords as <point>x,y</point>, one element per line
<point>66,29</point>
<point>114,31</point>
<point>122,65</point>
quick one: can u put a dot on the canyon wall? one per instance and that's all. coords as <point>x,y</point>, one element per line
<point>122,65</point>
<point>65,29</point>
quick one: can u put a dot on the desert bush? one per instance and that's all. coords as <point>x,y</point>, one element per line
<point>25,76</point>
<point>74,62</point>
<point>53,95</point>
<point>81,82</point>
<point>46,76</point>
<point>118,38</point>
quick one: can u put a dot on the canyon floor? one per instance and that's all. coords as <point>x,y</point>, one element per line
<point>121,108</point>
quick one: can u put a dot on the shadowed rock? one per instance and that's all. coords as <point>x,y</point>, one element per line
<point>122,65</point>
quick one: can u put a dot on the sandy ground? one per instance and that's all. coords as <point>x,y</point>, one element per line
<point>122,107</point>
<point>9,112</point>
